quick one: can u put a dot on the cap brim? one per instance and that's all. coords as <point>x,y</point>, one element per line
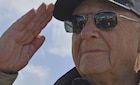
<point>64,9</point>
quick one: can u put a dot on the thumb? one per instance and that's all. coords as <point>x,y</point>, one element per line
<point>37,42</point>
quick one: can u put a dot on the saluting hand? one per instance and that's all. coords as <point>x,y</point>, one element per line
<point>22,39</point>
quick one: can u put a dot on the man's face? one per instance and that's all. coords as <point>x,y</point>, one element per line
<point>98,51</point>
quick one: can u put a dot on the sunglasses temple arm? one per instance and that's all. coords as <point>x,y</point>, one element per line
<point>125,17</point>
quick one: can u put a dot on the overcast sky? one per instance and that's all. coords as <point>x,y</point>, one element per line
<point>53,59</point>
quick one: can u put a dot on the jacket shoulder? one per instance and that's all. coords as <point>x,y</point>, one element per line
<point>67,78</point>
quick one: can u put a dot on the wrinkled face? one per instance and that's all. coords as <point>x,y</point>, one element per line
<point>98,51</point>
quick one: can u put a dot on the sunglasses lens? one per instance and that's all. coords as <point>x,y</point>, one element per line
<point>78,23</point>
<point>68,26</point>
<point>105,20</point>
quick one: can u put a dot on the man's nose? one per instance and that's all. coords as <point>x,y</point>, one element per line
<point>89,30</point>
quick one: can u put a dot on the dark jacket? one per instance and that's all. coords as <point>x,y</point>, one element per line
<point>72,78</point>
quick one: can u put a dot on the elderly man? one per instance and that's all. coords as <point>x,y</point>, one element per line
<point>105,41</point>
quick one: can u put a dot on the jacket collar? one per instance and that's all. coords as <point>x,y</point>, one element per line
<point>72,77</point>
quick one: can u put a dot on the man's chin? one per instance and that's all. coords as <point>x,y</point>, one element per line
<point>89,69</point>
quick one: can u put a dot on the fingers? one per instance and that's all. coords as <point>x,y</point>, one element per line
<point>37,42</point>
<point>49,13</point>
<point>30,25</point>
<point>44,15</point>
<point>20,24</point>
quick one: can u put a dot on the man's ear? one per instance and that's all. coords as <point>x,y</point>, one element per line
<point>137,62</point>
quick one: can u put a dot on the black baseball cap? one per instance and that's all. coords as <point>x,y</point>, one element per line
<point>64,8</point>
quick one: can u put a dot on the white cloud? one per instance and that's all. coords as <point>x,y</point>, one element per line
<point>33,75</point>
<point>61,41</point>
<point>14,8</point>
<point>23,5</point>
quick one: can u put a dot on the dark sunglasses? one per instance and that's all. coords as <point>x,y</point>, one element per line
<point>102,20</point>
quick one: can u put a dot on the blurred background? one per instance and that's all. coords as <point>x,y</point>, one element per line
<point>54,57</point>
